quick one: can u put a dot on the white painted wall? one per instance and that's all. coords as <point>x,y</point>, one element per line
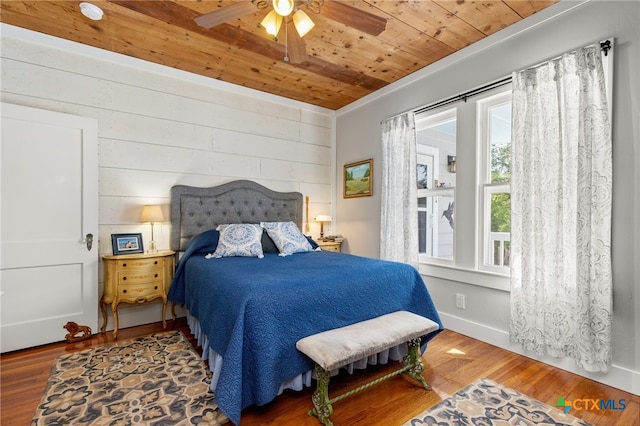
<point>159,127</point>
<point>562,27</point>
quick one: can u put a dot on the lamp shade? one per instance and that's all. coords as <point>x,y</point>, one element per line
<point>323,218</point>
<point>302,22</point>
<point>151,214</point>
<point>272,23</point>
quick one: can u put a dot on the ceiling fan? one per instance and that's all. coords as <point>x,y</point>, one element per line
<point>291,13</point>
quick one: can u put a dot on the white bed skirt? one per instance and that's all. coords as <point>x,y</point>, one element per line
<point>298,382</point>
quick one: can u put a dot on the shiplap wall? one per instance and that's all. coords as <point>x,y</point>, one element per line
<point>159,127</point>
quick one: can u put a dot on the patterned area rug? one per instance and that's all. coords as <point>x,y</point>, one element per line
<point>153,380</point>
<point>485,403</point>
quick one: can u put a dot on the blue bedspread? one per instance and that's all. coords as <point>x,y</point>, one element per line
<point>254,310</point>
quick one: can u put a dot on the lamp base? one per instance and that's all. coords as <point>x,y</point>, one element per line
<point>152,247</point>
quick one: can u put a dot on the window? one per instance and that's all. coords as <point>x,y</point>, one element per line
<point>494,124</point>
<point>464,169</point>
<point>436,144</point>
<point>477,126</point>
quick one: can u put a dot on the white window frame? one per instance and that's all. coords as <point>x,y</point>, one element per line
<point>496,97</point>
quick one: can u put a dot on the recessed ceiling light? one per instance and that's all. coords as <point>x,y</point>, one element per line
<point>91,11</point>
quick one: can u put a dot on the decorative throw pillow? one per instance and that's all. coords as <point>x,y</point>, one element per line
<point>287,237</point>
<point>239,240</point>
<point>314,245</point>
<point>268,246</point>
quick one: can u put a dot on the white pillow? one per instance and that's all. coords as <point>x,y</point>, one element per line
<point>239,240</point>
<point>287,237</point>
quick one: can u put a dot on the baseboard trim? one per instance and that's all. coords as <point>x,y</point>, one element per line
<point>617,377</point>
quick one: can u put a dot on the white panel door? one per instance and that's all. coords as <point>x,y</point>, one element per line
<point>49,181</point>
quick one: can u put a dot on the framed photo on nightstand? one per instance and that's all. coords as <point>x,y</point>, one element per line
<point>126,243</point>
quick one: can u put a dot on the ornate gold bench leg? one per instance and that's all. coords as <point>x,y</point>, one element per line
<point>413,363</point>
<point>322,408</point>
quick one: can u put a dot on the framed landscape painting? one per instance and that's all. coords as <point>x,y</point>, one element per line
<point>358,179</point>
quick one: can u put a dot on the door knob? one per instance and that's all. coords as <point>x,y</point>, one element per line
<point>89,241</point>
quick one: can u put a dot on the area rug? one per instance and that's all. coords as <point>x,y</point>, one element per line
<point>153,380</point>
<point>486,403</point>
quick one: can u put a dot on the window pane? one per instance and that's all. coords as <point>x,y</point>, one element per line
<point>423,176</point>
<point>500,234</point>
<point>500,137</point>
<point>501,212</point>
<point>435,226</point>
<point>445,226</point>
<point>436,145</point>
<point>501,251</point>
<point>435,180</point>
<point>422,227</point>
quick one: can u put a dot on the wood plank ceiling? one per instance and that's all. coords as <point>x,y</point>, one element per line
<point>342,63</point>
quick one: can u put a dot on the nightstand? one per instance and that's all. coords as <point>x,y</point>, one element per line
<point>330,245</point>
<point>136,278</point>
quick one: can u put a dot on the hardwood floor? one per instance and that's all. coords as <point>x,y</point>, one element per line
<point>452,361</point>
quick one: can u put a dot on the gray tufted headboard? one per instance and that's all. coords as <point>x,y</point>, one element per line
<point>195,210</point>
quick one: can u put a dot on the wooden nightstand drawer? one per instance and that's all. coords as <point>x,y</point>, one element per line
<point>140,291</point>
<point>330,245</point>
<point>135,276</point>
<point>128,264</point>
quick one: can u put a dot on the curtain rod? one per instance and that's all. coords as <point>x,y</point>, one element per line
<point>604,45</point>
<point>466,95</point>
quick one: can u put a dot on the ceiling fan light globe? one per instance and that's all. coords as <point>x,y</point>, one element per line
<point>302,22</point>
<point>271,23</point>
<point>283,7</point>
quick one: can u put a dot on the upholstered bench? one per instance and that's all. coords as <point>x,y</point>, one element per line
<point>336,348</point>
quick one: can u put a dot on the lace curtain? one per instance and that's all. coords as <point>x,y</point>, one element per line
<point>399,212</point>
<point>561,184</point>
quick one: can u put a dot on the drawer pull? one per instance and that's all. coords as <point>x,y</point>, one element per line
<point>124,265</point>
<point>124,278</point>
<point>155,263</point>
<point>124,291</point>
<point>156,275</point>
<point>155,288</point>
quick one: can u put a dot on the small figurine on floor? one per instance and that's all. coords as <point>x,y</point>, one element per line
<point>76,332</point>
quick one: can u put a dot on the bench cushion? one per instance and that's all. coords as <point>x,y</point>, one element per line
<point>335,348</point>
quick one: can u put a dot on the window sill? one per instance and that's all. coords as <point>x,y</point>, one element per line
<point>467,276</point>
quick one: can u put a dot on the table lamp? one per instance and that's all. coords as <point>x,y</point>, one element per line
<point>152,214</point>
<point>322,219</point>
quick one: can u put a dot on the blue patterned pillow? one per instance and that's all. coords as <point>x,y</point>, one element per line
<point>239,240</point>
<point>287,237</point>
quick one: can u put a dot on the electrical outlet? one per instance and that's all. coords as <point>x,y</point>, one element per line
<point>460,301</point>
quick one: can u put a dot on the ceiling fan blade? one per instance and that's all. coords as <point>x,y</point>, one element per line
<point>297,49</point>
<point>225,14</point>
<point>354,17</point>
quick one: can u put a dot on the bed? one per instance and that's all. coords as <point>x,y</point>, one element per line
<point>247,312</point>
